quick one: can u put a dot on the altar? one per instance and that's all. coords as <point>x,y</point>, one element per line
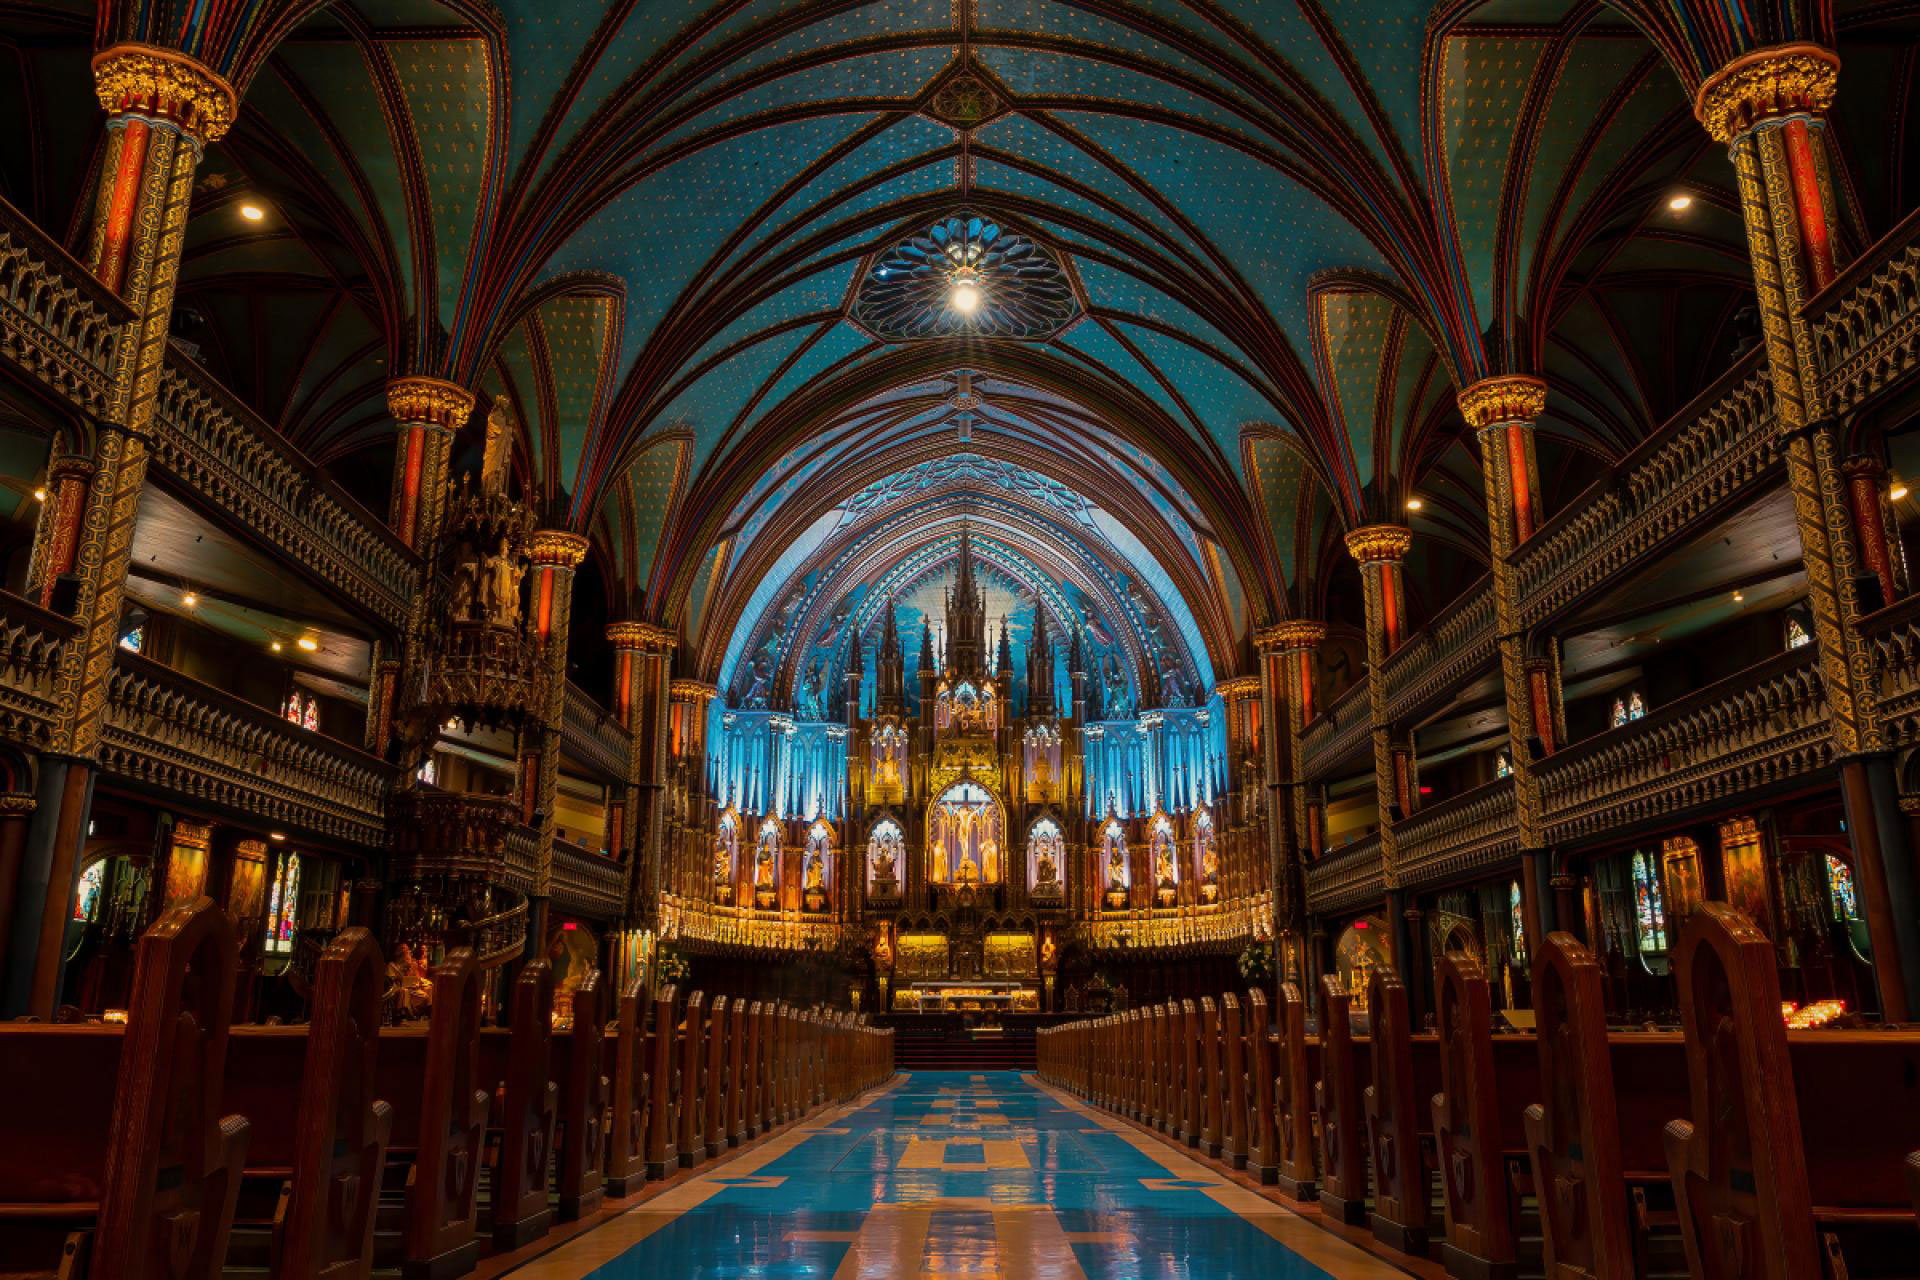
<point>961,997</point>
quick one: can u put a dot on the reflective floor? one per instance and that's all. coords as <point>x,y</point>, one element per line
<point>952,1174</point>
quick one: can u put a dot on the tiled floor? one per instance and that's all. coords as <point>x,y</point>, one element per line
<point>964,1177</point>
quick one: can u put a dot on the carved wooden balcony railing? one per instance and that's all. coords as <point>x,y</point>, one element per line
<point>30,642</point>
<point>1348,877</point>
<point>1442,655</point>
<point>587,883</point>
<point>1713,453</point>
<point>169,733</point>
<point>1459,835</point>
<point>454,836</point>
<point>1866,324</point>
<point>592,736</point>
<point>501,937</point>
<point>1893,638</point>
<point>58,324</point>
<point>1337,735</point>
<point>225,453</point>
<point>1749,733</point>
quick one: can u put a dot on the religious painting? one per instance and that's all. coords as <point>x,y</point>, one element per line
<point>247,890</point>
<point>1010,955</point>
<point>965,834</point>
<point>1160,854</point>
<point>1046,854</point>
<point>1361,949</point>
<point>187,863</point>
<point>1115,867</point>
<point>766,865</point>
<point>1744,861</point>
<point>726,857</point>
<point>815,867</point>
<point>886,853</point>
<point>921,956</point>
<point>1206,857</point>
<point>1685,882</point>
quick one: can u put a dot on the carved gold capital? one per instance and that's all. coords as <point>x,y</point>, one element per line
<point>641,636</point>
<point>1514,398</point>
<point>16,806</point>
<point>557,548</point>
<point>429,402</point>
<point>140,80</point>
<point>1238,687</point>
<point>1299,633</point>
<point>1763,85</point>
<point>1380,543</point>
<point>692,691</point>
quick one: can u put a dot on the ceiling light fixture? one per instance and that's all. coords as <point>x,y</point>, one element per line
<point>1414,504</point>
<point>1898,491</point>
<point>1738,597</point>
<point>963,291</point>
<point>1680,203</point>
<point>39,495</point>
<point>275,646</point>
<point>252,212</point>
<point>189,599</point>
<point>276,835</point>
<point>308,643</point>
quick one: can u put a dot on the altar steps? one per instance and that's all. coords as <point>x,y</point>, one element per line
<point>943,1050</point>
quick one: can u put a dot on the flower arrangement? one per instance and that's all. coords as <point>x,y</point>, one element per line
<point>671,966</point>
<point>1256,964</point>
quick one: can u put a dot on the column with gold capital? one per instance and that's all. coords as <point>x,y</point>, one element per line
<point>163,109</point>
<point>1502,413</point>
<point>1287,652</point>
<point>426,412</point>
<point>689,818</point>
<point>1769,107</point>
<point>641,652</point>
<point>1380,550</point>
<point>556,554</point>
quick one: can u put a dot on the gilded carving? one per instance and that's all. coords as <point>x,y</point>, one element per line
<point>1766,84</point>
<point>137,79</point>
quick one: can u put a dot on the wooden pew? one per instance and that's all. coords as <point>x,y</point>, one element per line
<point>1141,1104</point>
<point>448,1131</point>
<point>585,1098</point>
<point>632,1094</point>
<point>145,1190</point>
<point>1573,1139</point>
<point>720,1085</point>
<point>1473,1129</point>
<point>1207,1079</point>
<point>1162,1053</point>
<point>746,1057</point>
<point>1337,1097</point>
<point>1756,1187</point>
<point>663,1117</point>
<point>769,1054</point>
<point>344,1129</point>
<point>1396,1115</point>
<point>1185,1026</point>
<point>530,1110</point>
<point>693,1081</point>
<point>1263,1144</point>
<point>1293,1098</point>
<point>1233,1081</point>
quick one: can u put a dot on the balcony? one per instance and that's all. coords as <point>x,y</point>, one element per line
<point>1458,836</point>
<point>1893,639</point>
<point>586,883</point>
<point>592,736</point>
<point>58,325</point>
<point>30,644</point>
<point>1338,735</point>
<point>1442,656</point>
<point>1350,876</point>
<point>170,734</point>
<point>1754,732</point>
<point>1866,324</point>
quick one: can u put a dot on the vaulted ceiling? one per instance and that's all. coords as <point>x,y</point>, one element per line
<point>1237,257</point>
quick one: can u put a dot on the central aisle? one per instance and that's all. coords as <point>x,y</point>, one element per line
<point>963,1175</point>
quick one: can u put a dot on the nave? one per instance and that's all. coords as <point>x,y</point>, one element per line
<point>950,1174</point>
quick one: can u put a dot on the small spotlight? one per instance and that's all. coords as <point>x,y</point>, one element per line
<point>276,835</point>
<point>1680,203</point>
<point>275,646</point>
<point>308,643</point>
<point>1414,504</point>
<point>189,599</point>
<point>39,495</point>
<point>1898,491</point>
<point>1738,597</point>
<point>252,212</point>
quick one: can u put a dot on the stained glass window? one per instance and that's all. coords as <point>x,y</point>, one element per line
<point>1649,905</point>
<point>1632,707</point>
<point>429,771</point>
<point>87,901</point>
<point>284,904</point>
<point>1619,712</point>
<point>1519,917</point>
<point>292,710</point>
<point>1503,765</point>
<point>310,718</point>
<point>1797,634</point>
<point>1840,881</point>
<point>135,637</point>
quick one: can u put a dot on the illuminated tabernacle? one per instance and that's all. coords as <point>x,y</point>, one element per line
<point>1075,639</point>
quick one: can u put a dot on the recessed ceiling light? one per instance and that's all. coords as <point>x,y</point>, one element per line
<point>190,599</point>
<point>1898,491</point>
<point>252,212</point>
<point>1738,597</point>
<point>276,835</point>
<point>1680,203</point>
<point>1414,504</point>
<point>275,646</point>
<point>39,495</point>
<point>308,643</point>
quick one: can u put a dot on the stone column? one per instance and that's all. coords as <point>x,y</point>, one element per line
<point>1380,550</point>
<point>1502,413</point>
<point>1769,108</point>
<point>556,554</point>
<point>641,650</point>
<point>1286,680</point>
<point>162,109</point>
<point>689,807</point>
<point>426,412</point>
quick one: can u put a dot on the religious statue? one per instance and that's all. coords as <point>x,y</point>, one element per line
<point>1046,872</point>
<point>466,577</point>
<point>500,586</point>
<point>1116,866</point>
<point>763,865</point>
<point>1163,865</point>
<point>412,984</point>
<point>816,880</point>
